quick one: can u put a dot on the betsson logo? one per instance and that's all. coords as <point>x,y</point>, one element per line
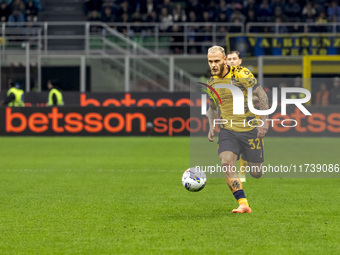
<point>56,122</point>
<point>127,101</point>
<point>73,122</point>
<point>92,122</point>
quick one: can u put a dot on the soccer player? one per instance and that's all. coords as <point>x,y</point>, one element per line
<point>234,59</point>
<point>236,138</point>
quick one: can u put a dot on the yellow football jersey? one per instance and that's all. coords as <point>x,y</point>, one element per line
<point>242,78</point>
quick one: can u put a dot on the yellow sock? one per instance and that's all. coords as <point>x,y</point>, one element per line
<point>243,201</point>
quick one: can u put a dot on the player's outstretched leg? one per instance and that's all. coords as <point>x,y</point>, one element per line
<point>255,169</point>
<point>228,160</point>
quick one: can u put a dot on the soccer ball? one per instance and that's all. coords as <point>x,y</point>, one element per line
<point>194,179</point>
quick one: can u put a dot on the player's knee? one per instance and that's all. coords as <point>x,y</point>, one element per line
<point>255,170</point>
<point>227,159</point>
<point>226,162</point>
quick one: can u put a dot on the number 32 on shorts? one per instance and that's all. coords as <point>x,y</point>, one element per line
<point>255,144</point>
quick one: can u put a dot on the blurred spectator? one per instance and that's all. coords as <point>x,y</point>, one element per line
<point>322,96</point>
<point>16,16</point>
<point>192,17</point>
<point>251,16</point>
<point>124,8</point>
<point>221,32</point>
<point>222,8</point>
<point>107,16</point>
<point>292,10</point>
<point>167,4</point>
<point>310,19</point>
<point>279,14</point>
<point>31,11</point>
<point>195,6</point>
<point>333,9</point>
<point>192,30</point>
<point>335,19</point>
<point>18,5</point>
<point>179,14</point>
<point>231,9</point>
<point>321,21</point>
<point>191,35</point>
<point>94,16</point>
<point>250,5</point>
<point>238,11</point>
<point>166,20</point>
<point>205,17</point>
<point>280,28</point>
<point>137,20</point>
<point>212,10</point>
<point>335,92</point>
<point>55,96</point>
<point>36,3</point>
<point>124,19</point>
<point>152,18</point>
<point>176,40</point>
<point>308,13</point>
<point>308,9</point>
<point>4,12</point>
<point>15,96</point>
<point>237,15</point>
<point>222,17</point>
<point>147,7</point>
<point>30,29</point>
<point>236,29</point>
<point>264,12</point>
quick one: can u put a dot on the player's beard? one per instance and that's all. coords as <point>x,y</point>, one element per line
<point>221,70</point>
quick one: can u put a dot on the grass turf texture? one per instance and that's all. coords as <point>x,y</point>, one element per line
<point>124,196</point>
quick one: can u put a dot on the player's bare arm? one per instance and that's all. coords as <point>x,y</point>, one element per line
<point>212,113</point>
<point>263,105</point>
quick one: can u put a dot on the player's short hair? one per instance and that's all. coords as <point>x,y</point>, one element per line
<point>216,48</point>
<point>236,52</point>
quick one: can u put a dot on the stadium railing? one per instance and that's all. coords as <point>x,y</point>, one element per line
<point>127,47</point>
<point>177,38</point>
<point>292,27</point>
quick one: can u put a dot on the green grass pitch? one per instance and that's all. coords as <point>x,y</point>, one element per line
<point>120,195</point>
